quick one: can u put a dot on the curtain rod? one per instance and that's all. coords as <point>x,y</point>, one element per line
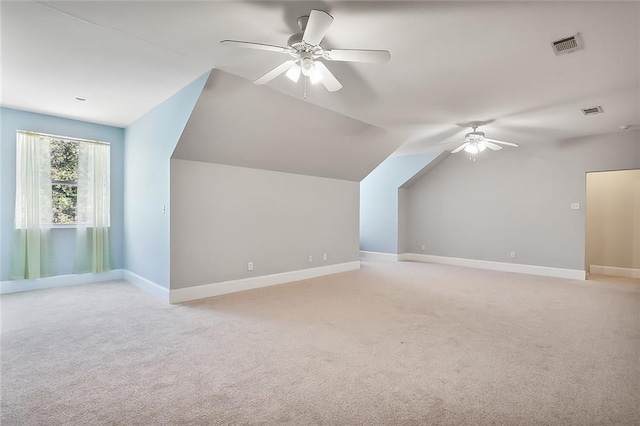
<point>69,138</point>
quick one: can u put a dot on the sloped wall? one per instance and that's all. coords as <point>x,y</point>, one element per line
<point>514,200</point>
<point>262,177</point>
<point>240,124</point>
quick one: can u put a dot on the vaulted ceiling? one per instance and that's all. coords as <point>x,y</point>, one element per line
<point>452,62</point>
<point>238,123</point>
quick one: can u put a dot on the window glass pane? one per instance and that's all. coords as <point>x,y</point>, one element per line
<point>64,168</point>
<point>64,201</point>
<point>64,161</point>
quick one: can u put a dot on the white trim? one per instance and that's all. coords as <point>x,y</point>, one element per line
<point>216,289</point>
<point>375,255</point>
<point>615,271</point>
<point>64,138</point>
<point>156,290</point>
<point>573,274</point>
<point>16,286</point>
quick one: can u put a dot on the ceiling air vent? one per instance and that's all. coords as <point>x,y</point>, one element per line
<point>592,110</point>
<point>567,45</point>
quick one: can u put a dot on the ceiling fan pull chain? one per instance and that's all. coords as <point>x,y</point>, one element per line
<point>305,88</point>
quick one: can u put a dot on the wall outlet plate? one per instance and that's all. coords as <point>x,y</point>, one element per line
<point>250,266</point>
<point>575,206</point>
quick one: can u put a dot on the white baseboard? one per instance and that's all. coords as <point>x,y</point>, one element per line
<point>178,295</point>
<point>614,271</point>
<point>573,274</point>
<point>374,255</point>
<point>216,289</point>
<point>156,290</point>
<point>16,286</point>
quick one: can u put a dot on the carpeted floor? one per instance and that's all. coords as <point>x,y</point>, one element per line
<point>393,343</point>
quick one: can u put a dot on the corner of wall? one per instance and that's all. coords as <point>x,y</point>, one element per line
<point>380,209</point>
<point>149,144</point>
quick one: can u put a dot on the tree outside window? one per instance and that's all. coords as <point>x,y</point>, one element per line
<point>64,181</point>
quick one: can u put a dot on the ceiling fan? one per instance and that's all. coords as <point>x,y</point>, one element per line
<point>475,142</point>
<point>306,49</point>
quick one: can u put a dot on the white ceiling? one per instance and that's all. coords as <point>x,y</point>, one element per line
<point>452,62</point>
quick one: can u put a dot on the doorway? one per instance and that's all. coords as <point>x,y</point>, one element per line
<point>613,223</point>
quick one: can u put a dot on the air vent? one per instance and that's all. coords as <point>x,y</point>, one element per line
<point>592,110</point>
<point>567,45</point>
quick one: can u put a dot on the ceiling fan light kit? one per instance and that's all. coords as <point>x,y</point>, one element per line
<point>306,50</point>
<point>475,147</point>
<point>294,73</point>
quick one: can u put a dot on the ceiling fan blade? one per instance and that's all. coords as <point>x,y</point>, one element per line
<point>460,148</point>
<point>258,46</point>
<point>274,72</point>
<point>491,145</point>
<point>357,55</point>
<point>317,26</point>
<point>328,79</point>
<point>501,142</point>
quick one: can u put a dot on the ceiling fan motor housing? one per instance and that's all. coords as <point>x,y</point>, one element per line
<point>474,136</point>
<point>296,42</point>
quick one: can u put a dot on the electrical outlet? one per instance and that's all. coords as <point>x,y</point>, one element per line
<point>513,254</point>
<point>163,209</point>
<point>575,206</point>
<point>310,259</point>
<point>250,266</point>
<point>423,247</point>
<point>324,256</point>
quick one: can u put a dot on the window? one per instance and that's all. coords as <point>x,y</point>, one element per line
<point>73,180</point>
<point>60,181</point>
<point>64,181</point>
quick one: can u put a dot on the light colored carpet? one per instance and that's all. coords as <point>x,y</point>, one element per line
<point>392,343</point>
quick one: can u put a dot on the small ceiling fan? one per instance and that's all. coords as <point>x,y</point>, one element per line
<point>475,142</point>
<point>306,49</point>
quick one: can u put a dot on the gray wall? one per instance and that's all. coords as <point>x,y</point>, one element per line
<point>403,219</point>
<point>514,200</point>
<point>225,216</point>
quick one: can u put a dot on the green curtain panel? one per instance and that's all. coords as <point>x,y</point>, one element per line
<point>92,250</point>
<point>92,233</point>
<point>32,254</point>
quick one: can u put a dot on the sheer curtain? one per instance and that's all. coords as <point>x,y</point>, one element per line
<point>92,233</point>
<point>32,252</point>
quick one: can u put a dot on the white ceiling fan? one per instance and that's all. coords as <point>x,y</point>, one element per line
<point>306,49</point>
<point>475,142</point>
